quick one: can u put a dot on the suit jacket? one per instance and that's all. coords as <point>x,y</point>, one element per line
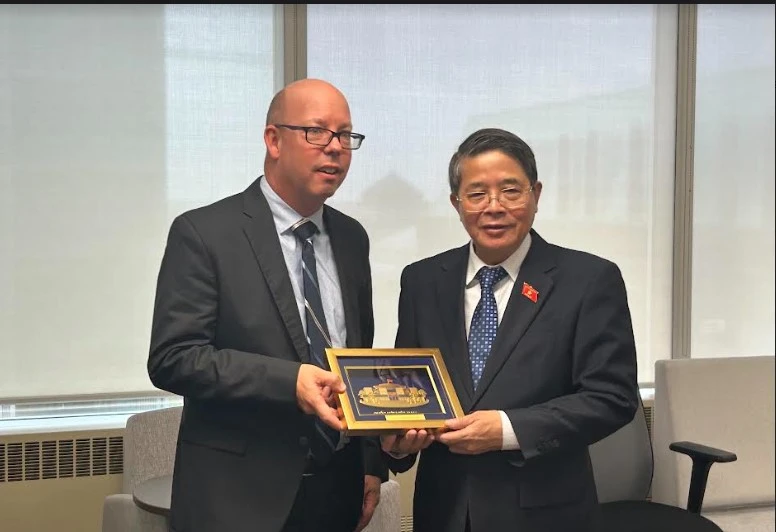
<point>563,369</point>
<point>227,336</point>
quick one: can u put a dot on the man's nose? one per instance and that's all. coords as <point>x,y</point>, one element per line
<point>332,147</point>
<point>498,205</point>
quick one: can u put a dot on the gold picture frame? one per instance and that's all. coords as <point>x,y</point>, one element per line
<point>393,390</point>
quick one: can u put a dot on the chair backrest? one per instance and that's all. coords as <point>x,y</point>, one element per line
<point>387,516</point>
<point>149,445</point>
<point>726,403</point>
<point>622,462</point>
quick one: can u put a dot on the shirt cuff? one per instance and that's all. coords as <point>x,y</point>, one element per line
<point>508,437</point>
<point>398,456</point>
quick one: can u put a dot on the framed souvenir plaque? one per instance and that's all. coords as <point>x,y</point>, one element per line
<point>392,390</point>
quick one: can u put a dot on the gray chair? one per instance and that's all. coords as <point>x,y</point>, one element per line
<point>623,468</point>
<point>727,402</point>
<point>622,462</point>
<point>149,450</point>
<point>387,516</point>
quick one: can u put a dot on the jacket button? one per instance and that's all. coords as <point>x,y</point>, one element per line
<point>303,441</point>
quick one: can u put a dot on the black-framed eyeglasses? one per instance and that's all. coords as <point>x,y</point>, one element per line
<point>509,198</point>
<point>320,136</point>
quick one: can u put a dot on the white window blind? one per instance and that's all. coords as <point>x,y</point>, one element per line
<point>733,214</point>
<point>591,88</point>
<point>115,118</point>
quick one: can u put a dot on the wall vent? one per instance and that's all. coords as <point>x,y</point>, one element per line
<point>116,455</point>
<point>15,463</point>
<point>49,459</point>
<point>65,453</point>
<point>406,523</point>
<point>649,408</point>
<point>32,460</point>
<point>81,457</point>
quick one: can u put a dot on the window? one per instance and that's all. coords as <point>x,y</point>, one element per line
<point>590,88</point>
<point>116,118</point>
<point>733,210</point>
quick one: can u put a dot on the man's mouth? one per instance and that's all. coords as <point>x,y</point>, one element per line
<point>494,229</point>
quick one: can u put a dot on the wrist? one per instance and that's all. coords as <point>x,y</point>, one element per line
<point>397,455</point>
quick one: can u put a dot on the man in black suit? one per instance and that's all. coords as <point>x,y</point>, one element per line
<point>245,306</point>
<point>539,345</point>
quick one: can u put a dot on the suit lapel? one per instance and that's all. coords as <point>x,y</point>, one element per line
<point>521,310</point>
<point>260,229</point>
<point>450,294</point>
<point>346,264</point>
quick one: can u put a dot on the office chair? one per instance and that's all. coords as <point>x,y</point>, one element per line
<point>623,466</point>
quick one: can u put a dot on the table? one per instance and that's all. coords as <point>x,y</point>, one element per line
<point>153,495</point>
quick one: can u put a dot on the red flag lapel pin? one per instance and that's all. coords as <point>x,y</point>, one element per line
<point>530,292</point>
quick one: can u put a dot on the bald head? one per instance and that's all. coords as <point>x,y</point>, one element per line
<point>304,173</point>
<point>293,96</point>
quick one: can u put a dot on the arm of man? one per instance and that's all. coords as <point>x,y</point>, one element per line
<point>395,447</point>
<point>604,376</point>
<point>375,466</point>
<point>374,462</point>
<point>183,358</point>
<point>375,473</point>
<point>374,458</point>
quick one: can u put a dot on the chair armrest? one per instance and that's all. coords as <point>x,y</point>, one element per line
<point>121,514</point>
<point>703,457</point>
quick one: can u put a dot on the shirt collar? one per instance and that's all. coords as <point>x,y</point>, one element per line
<point>511,264</point>
<point>284,216</point>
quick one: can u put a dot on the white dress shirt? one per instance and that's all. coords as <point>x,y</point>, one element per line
<point>502,290</point>
<point>328,279</point>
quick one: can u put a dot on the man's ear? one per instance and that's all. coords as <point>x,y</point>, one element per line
<point>272,141</point>
<point>454,201</point>
<point>537,192</point>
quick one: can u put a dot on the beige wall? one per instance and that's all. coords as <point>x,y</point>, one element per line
<point>407,484</point>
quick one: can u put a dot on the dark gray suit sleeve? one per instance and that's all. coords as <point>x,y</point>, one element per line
<point>406,336</point>
<point>374,461</point>
<point>604,377</point>
<point>182,358</point>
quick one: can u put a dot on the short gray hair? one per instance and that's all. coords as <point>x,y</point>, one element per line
<point>492,139</point>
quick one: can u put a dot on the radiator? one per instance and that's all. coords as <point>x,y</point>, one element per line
<point>57,482</point>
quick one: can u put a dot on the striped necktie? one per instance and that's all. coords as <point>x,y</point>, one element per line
<point>326,438</point>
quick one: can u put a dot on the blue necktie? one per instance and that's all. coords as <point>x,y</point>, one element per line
<point>326,438</point>
<point>484,321</point>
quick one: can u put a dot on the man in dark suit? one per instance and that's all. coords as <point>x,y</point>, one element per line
<point>539,345</point>
<point>245,305</point>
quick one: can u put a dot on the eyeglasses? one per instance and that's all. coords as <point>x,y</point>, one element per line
<point>509,198</point>
<point>320,136</point>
